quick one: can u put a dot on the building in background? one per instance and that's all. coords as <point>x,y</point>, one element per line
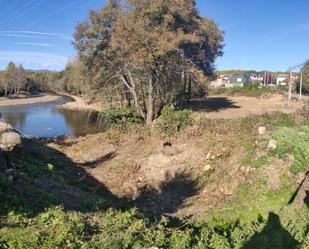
<point>232,81</point>
<point>282,80</point>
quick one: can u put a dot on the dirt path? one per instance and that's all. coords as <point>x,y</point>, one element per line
<point>217,107</point>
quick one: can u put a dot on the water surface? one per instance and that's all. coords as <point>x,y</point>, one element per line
<point>47,120</point>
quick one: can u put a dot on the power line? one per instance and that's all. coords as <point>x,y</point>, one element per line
<point>31,8</point>
<point>298,65</point>
<point>56,11</point>
<point>17,11</point>
<point>34,6</point>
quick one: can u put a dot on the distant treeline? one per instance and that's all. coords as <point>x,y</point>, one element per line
<point>15,80</point>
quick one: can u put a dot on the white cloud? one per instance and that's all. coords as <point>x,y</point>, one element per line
<point>33,60</point>
<point>33,34</point>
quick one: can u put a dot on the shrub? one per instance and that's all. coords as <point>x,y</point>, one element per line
<point>173,121</point>
<point>121,116</point>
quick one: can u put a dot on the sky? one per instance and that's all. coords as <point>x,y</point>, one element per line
<point>259,34</point>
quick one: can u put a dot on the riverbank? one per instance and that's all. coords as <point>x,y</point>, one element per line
<point>80,104</point>
<point>64,190</point>
<point>26,101</point>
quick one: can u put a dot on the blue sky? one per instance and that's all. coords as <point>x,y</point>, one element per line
<point>259,34</point>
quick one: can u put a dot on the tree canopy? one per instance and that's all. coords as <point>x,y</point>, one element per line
<point>152,51</point>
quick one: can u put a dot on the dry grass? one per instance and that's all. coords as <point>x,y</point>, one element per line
<point>220,156</point>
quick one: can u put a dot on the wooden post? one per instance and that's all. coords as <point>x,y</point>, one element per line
<point>300,85</point>
<point>290,85</point>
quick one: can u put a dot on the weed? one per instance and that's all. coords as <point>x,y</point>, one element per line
<point>121,116</point>
<point>173,121</point>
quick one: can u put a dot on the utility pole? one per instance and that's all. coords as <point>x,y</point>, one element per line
<point>300,85</point>
<point>290,84</point>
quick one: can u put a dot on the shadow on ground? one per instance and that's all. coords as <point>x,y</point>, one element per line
<point>212,104</point>
<point>173,192</point>
<point>69,185</point>
<point>272,236</point>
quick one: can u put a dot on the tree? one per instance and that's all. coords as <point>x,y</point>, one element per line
<point>14,79</point>
<point>20,79</point>
<point>9,78</point>
<point>154,50</point>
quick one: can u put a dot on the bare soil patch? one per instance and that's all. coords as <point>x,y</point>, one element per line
<point>223,107</point>
<point>80,103</point>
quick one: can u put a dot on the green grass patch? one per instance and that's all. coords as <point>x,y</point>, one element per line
<point>293,142</point>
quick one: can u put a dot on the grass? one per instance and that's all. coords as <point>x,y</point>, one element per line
<point>294,142</point>
<point>249,91</point>
<point>256,216</point>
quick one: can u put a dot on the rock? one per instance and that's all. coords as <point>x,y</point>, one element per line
<point>272,145</point>
<point>262,130</point>
<point>10,178</point>
<point>248,170</point>
<point>208,156</point>
<point>207,167</point>
<point>243,169</point>
<point>9,172</point>
<point>9,140</point>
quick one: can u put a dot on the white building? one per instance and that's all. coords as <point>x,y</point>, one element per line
<point>282,80</point>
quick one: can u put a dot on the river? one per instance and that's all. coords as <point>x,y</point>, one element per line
<point>46,120</point>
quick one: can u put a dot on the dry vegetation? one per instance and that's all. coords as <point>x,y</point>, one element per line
<point>217,158</point>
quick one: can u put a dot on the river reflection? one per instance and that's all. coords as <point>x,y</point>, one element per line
<point>47,120</point>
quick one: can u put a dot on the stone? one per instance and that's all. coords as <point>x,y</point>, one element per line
<point>207,167</point>
<point>208,156</point>
<point>9,140</point>
<point>272,145</point>
<point>248,170</point>
<point>10,178</point>
<point>5,126</point>
<point>243,169</point>
<point>9,171</point>
<point>262,130</point>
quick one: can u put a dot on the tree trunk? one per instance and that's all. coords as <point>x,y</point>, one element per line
<point>130,84</point>
<point>150,109</point>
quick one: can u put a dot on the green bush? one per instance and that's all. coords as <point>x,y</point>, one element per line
<point>172,121</point>
<point>121,116</point>
<point>295,142</point>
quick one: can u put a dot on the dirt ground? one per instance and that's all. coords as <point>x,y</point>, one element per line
<point>222,107</point>
<point>80,104</point>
